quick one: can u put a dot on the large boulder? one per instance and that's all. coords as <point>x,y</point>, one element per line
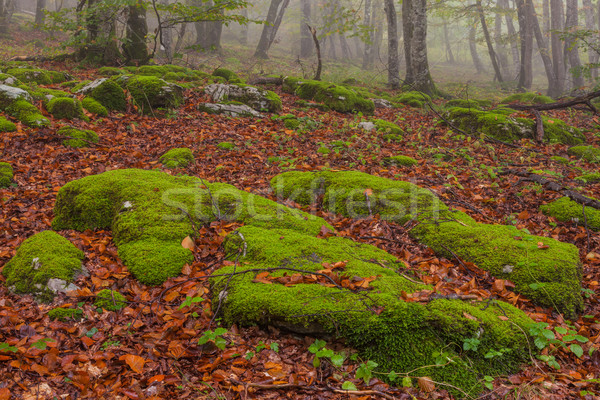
<point>16,102</point>
<point>106,92</point>
<point>150,93</point>
<point>233,110</point>
<point>258,99</point>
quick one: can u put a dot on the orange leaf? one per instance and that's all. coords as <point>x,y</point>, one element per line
<point>426,384</point>
<point>368,192</point>
<point>541,245</point>
<point>156,378</point>
<point>469,316</point>
<point>523,215</point>
<point>188,243</point>
<point>136,363</point>
<point>4,394</point>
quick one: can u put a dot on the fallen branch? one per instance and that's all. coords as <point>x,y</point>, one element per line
<point>555,187</point>
<point>267,80</point>
<point>585,100</point>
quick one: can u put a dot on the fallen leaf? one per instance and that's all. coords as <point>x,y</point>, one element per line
<point>136,363</point>
<point>426,384</point>
<point>188,243</point>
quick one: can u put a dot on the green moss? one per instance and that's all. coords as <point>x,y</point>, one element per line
<point>549,276</point>
<point>499,124</point>
<point>76,137</point>
<point>180,76</point>
<point>41,257</point>
<point>179,157</point>
<point>291,123</point>
<point>404,161</point>
<point>274,101</point>
<point>144,211</point>
<point>527,98</point>
<point>6,125</point>
<point>6,174</point>
<point>92,105</point>
<point>65,108</point>
<point>27,113</point>
<point>65,314</point>
<point>589,178</point>
<point>226,74</point>
<point>560,160</point>
<point>567,210</point>
<point>226,146</point>
<point>324,150</point>
<point>28,75</point>
<point>399,336</point>
<point>413,99</point>
<point>45,95</point>
<point>110,95</point>
<point>387,127</point>
<point>390,137</point>
<point>110,71</point>
<point>10,80</point>
<point>467,103</point>
<point>338,98</point>
<point>588,153</point>
<point>150,92</point>
<point>110,300</point>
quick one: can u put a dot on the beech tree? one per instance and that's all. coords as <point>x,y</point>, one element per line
<point>414,22</point>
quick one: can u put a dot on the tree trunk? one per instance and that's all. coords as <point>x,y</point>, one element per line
<point>6,7</point>
<point>546,19</point>
<point>378,23</point>
<point>276,11</point>
<point>544,53</point>
<point>473,50</point>
<point>39,12</point>
<point>101,43</point>
<point>500,47</point>
<point>556,25</point>
<point>208,33</point>
<point>166,32</point>
<point>392,31</point>
<point>407,29</point>
<point>346,52</point>
<point>244,27</point>
<point>368,54</point>
<point>306,42</point>
<point>571,48</point>
<point>449,54</point>
<point>488,41</point>
<point>512,37</point>
<point>418,48</point>
<point>590,13</point>
<point>526,40</point>
<point>134,48</point>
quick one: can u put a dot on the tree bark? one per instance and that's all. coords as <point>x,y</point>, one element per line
<point>392,30</point>
<point>276,8</point>
<point>473,50</point>
<point>407,29</point>
<point>421,79</point>
<point>6,8</point>
<point>544,53</point>
<point>306,43</point>
<point>208,33</point>
<point>368,53</point>
<point>40,6</point>
<point>590,13</point>
<point>571,48</point>
<point>500,47</point>
<point>512,36</point>
<point>526,40</point>
<point>134,48</point>
<point>488,41</point>
<point>556,25</point>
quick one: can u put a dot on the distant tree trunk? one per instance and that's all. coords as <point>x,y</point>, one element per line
<point>512,37</point>
<point>546,18</point>
<point>378,23</point>
<point>306,42</point>
<point>244,27</point>
<point>6,10</point>
<point>134,48</point>
<point>449,54</point>
<point>39,12</point>
<point>414,14</point>
<point>571,49</point>
<point>473,50</point>
<point>166,32</point>
<point>526,40</point>
<point>368,53</point>
<point>101,42</point>
<point>544,53</point>
<point>500,46</point>
<point>392,31</point>
<point>346,52</point>
<point>488,41</point>
<point>590,13</point>
<point>208,33</point>
<point>556,25</point>
<point>276,11</point>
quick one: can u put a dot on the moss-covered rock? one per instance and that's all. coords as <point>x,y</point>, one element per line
<point>258,99</point>
<point>179,157</point>
<point>143,209</point>
<point>6,174</point>
<point>550,276</point>
<point>468,103</point>
<point>6,125</point>
<point>6,79</point>
<point>338,98</point>
<point>110,300</point>
<point>588,153</point>
<point>27,113</point>
<point>150,93</point>
<point>291,123</point>
<point>387,127</point>
<point>527,98</point>
<point>65,314</point>
<point>226,146</point>
<point>39,76</point>
<point>593,177</point>
<point>404,161</point>
<point>39,259</point>
<point>92,105</point>
<point>107,92</point>
<point>110,71</point>
<point>413,99</point>
<point>501,125</point>
<point>560,160</point>
<point>567,210</point>
<point>65,108</point>
<point>10,94</point>
<point>77,137</point>
<point>228,75</point>
<point>399,335</point>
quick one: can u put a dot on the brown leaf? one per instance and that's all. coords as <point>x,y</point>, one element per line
<point>426,384</point>
<point>136,363</point>
<point>188,243</point>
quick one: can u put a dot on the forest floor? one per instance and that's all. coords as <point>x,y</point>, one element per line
<point>88,359</point>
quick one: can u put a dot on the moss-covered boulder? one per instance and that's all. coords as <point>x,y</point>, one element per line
<point>6,125</point>
<point>6,79</point>
<point>10,94</point>
<point>110,300</point>
<point>44,262</point>
<point>233,110</point>
<point>65,314</point>
<point>106,92</point>
<point>413,99</point>
<point>226,146</point>
<point>228,75</point>
<point>6,174</point>
<point>110,71</point>
<point>179,157</point>
<point>150,93</point>
<point>404,161</point>
<point>39,76</point>
<point>468,103</point>
<point>588,153</point>
<point>527,98</point>
<point>94,106</point>
<point>567,210</point>
<point>77,138</point>
<point>550,274</point>
<point>338,98</point>
<point>27,113</point>
<point>593,177</point>
<point>144,211</point>
<point>358,292</point>
<point>65,108</point>
<point>387,127</point>
<point>258,99</point>
<point>500,124</point>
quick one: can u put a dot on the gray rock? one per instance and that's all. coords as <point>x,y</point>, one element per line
<point>58,285</point>
<point>9,94</point>
<point>91,86</point>
<point>382,103</point>
<point>249,95</point>
<point>367,126</point>
<point>234,110</point>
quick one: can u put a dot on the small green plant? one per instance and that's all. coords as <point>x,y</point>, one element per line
<point>544,337</point>
<point>365,371</point>
<point>471,344</point>
<point>7,347</point>
<point>189,301</point>
<point>42,343</point>
<point>319,350</point>
<point>110,343</point>
<point>215,337</point>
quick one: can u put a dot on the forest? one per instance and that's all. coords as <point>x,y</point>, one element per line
<point>313,199</point>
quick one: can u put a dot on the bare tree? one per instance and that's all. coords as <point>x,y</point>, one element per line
<point>414,21</point>
<point>40,6</point>
<point>368,53</point>
<point>526,40</point>
<point>392,30</point>
<point>556,24</point>
<point>488,41</point>
<point>473,50</point>
<point>306,42</point>
<point>274,17</point>
<point>6,10</point>
<point>590,22</point>
<point>134,48</point>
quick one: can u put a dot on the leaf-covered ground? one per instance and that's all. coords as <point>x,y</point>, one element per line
<point>150,349</point>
